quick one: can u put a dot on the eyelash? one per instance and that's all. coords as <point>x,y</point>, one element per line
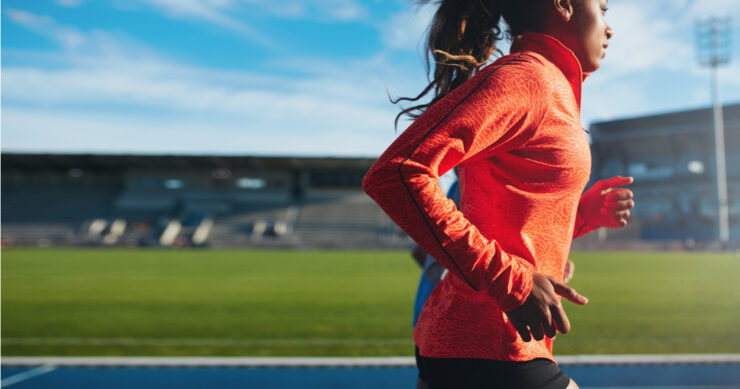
<point>605,9</point>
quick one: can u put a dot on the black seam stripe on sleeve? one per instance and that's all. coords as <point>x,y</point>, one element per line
<point>585,223</point>
<point>403,179</point>
<point>578,233</point>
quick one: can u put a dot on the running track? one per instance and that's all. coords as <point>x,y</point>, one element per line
<point>604,372</point>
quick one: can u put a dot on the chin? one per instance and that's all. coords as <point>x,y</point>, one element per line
<point>591,67</point>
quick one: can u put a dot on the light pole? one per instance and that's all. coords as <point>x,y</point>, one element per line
<point>713,48</point>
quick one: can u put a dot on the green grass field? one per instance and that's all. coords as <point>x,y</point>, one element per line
<point>332,303</point>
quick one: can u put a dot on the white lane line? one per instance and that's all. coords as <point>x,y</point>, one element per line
<point>647,359</point>
<point>313,342</point>
<point>235,342</point>
<point>213,361</point>
<point>400,361</point>
<point>28,374</point>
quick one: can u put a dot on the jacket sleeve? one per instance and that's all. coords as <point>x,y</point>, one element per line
<point>581,226</point>
<point>492,113</point>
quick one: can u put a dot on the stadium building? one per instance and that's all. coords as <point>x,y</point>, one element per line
<point>221,201</point>
<point>131,200</point>
<point>672,158</point>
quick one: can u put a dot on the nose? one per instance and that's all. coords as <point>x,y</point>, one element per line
<point>609,32</point>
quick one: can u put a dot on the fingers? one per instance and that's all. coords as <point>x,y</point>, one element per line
<point>560,319</point>
<point>619,205</point>
<point>547,325</point>
<point>532,322</point>
<point>620,194</point>
<point>618,218</point>
<point>542,313</point>
<point>544,325</point>
<point>619,199</point>
<point>549,328</point>
<point>569,293</point>
<point>622,215</point>
<point>536,329</point>
<point>522,329</point>
<point>615,181</point>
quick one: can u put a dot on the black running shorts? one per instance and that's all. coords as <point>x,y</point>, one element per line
<point>485,373</point>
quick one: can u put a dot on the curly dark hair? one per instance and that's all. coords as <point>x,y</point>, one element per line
<point>462,37</point>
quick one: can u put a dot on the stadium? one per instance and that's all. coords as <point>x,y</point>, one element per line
<point>196,194</point>
<point>672,158</point>
<point>60,210</point>
<point>301,202</point>
<point>144,201</point>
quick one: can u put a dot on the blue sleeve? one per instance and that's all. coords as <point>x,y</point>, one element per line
<point>432,272</point>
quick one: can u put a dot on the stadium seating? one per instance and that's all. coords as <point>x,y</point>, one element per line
<point>331,218</point>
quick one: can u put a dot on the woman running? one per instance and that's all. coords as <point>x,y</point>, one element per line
<point>513,130</point>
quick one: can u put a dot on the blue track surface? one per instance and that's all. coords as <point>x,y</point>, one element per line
<point>709,376</point>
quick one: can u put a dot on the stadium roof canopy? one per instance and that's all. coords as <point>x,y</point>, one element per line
<point>671,122</point>
<point>120,161</point>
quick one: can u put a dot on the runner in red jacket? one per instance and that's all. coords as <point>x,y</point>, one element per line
<point>513,130</point>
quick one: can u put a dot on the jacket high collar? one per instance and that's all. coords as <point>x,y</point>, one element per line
<point>557,53</point>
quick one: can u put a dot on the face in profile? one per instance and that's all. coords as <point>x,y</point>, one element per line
<point>589,33</point>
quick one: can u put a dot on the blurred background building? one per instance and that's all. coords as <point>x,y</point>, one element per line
<point>215,201</point>
<point>130,200</point>
<point>672,158</point>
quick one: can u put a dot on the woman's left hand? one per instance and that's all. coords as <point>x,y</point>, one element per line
<point>606,205</point>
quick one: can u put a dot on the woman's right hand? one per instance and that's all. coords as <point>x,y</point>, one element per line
<point>542,313</point>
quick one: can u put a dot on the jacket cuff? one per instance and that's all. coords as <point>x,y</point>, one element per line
<point>582,227</point>
<point>512,287</point>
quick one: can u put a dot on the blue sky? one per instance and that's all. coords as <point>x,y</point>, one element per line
<point>285,77</point>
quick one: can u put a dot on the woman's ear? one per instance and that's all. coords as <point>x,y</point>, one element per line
<point>564,9</point>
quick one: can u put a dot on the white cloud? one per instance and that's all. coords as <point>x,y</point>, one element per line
<point>719,8</point>
<point>161,85</point>
<point>221,11</point>
<point>280,116</point>
<point>290,11</point>
<point>651,62</point>
<point>406,30</point>
<point>108,86</point>
<point>69,38</point>
<point>217,12</point>
<point>53,131</point>
<point>213,11</point>
<point>321,10</point>
<point>105,92</point>
<point>226,13</point>
<point>613,101</point>
<point>643,42</point>
<point>69,3</point>
<point>657,35</point>
<point>347,11</point>
<point>729,78</point>
<point>29,20</point>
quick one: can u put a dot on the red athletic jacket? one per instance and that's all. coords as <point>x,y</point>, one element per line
<point>514,132</point>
